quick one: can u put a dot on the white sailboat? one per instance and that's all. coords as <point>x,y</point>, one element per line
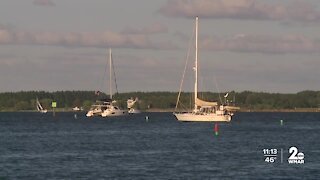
<point>130,104</point>
<point>106,107</point>
<point>39,107</point>
<point>110,108</point>
<point>204,111</point>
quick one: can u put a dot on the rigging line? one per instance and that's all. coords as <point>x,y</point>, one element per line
<point>103,77</point>
<point>202,86</point>
<point>184,106</point>
<point>191,97</point>
<point>216,84</point>
<point>185,68</point>
<point>114,74</point>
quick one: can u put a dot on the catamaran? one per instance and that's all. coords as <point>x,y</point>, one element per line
<point>39,107</point>
<point>108,107</point>
<point>204,110</point>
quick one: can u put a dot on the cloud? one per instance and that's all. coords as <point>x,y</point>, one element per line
<point>262,44</point>
<point>81,39</point>
<point>238,43</point>
<point>242,9</point>
<point>48,3</point>
<point>152,29</point>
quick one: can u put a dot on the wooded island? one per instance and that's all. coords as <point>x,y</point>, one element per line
<point>162,101</point>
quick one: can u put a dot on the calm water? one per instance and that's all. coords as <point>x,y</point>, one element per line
<point>38,146</point>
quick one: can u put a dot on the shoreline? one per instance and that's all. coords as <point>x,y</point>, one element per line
<point>172,110</point>
<point>282,110</point>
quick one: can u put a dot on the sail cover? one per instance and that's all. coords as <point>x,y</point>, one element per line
<point>200,102</point>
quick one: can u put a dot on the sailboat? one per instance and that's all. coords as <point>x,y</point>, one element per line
<point>130,104</point>
<point>39,107</point>
<point>107,107</point>
<point>111,108</point>
<point>204,111</point>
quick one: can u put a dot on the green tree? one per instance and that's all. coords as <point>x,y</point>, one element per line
<point>22,105</point>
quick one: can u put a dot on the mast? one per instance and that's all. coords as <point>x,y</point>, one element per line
<point>196,68</point>
<point>110,80</point>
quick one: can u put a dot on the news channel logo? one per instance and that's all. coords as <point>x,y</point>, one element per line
<point>273,155</point>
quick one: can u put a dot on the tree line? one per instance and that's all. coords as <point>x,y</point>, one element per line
<point>26,100</point>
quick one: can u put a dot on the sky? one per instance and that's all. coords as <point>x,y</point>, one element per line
<point>255,45</point>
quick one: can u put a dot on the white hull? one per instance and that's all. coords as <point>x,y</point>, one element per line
<point>192,117</point>
<point>134,111</point>
<point>92,113</point>
<point>95,110</point>
<point>43,111</point>
<point>77,109</point>
<point>114,112</point>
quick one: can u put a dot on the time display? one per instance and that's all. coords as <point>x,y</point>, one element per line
<point>270,151</point>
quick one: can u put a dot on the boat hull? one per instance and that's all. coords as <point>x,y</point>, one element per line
<point>109,113</point>
<point>92,113</point>
<point>134,111</point>
<point>95,111</point>
<point>192,117</point>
